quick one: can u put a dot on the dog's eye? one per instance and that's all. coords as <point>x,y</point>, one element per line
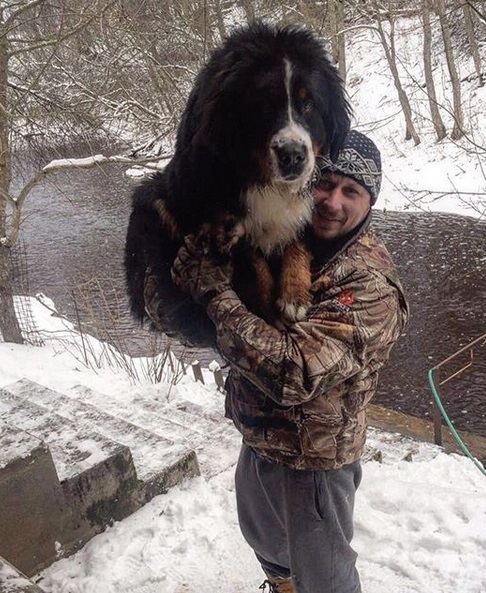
<point>307,106</point>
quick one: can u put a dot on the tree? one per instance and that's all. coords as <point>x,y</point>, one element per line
<point>336,34</point>
<point>458,128</point>
<point>473,44</point>
<point>37,29</point>
<point>373,11</point>
<point>437,122</point>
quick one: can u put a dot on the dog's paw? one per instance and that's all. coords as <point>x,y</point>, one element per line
<point>227,233</point>
<point>292,312</point>
<point>234,236</point>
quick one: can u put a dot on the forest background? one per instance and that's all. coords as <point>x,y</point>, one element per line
<point>119,72</point>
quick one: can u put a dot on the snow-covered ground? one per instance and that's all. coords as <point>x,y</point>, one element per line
<point>433,176</point>
<point>420,524</point>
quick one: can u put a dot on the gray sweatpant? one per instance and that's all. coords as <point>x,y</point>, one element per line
<point>300,523</point>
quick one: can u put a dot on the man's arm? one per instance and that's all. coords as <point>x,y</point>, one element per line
<point>308,357</point>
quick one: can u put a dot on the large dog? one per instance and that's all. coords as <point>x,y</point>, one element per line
<point>267,102</point>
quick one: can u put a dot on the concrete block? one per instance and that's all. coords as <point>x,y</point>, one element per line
<point>97,480</point>
<point>106,492</point>
<point>180,464</point>
<point>13,581</point>
<point>33,511</point>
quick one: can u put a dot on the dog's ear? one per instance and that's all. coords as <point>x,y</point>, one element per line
<point>198,121</point>
<point>218,99</point>
<point>333,105</point>
<point>338,122</point>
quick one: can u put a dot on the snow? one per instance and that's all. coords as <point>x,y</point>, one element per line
<point>433,176</point>
<point>420,524</point>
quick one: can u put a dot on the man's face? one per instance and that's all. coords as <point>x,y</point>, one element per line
<point>340,204</point>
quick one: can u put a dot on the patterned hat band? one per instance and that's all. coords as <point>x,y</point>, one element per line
<point>359,159</point>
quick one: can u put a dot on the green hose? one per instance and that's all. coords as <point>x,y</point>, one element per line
<point>460,442</point>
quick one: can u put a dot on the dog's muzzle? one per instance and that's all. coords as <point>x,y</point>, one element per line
<point>292,157</point>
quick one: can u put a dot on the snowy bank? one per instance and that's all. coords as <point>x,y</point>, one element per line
<point>420,524</point>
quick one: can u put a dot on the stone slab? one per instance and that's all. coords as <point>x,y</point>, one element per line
<point>13,581</point>
<point>33,511</point>
<point>73,450</point>
<point>151,451</point>
<point>207,432</point>
<point>391,420</point>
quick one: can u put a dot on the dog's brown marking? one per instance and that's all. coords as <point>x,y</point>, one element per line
<point>263,165</point>
<point>265,285</point>
<point>294,282</point>
<point>302,94</point>
<point>167,219</point>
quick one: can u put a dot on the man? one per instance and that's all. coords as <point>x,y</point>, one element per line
<point>298,396</point>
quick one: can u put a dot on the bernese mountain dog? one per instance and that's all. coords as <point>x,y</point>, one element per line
<point>265,105</point>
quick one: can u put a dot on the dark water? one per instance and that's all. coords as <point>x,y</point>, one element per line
<point>74,233</point>
<point>442,262</point>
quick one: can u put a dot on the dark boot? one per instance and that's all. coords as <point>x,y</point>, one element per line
<point>278,584</point>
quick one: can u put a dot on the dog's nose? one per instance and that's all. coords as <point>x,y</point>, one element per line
<point>291,157</point>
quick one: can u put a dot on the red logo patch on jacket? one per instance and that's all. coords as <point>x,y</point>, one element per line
<point>343,301</point>
<point>346,298</point>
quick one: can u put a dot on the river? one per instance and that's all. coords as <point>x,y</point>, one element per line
<point>72,242</point>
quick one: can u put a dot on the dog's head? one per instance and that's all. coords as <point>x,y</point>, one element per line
<point>266,103</point>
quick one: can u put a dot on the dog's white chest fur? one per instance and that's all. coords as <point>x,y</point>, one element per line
<point>275,216</point>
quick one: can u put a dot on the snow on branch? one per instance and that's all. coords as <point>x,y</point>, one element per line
<point>63,165</point>
<point>99,159</point>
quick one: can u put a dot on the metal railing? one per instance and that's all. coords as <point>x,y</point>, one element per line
<point>439,410</point>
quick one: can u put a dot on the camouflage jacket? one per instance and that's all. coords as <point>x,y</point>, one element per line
<point>299,396</point>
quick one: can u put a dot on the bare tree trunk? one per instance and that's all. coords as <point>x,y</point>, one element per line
<point>218,13</point>
<point>481,16</point>
<point>473,44</point>
<point>9,326</point>
<point>458,129</point>
<point>439,126</point>
<point>402,96</point>
<point>342,41</point>
<point>249,9</point>
<point>335,18</point>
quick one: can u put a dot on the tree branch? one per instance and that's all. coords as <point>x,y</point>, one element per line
<point>15,15</point>
<point>480,16</point>
<point>61,38</point>
<point>63,165</point>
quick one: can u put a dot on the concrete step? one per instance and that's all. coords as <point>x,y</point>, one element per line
<point>33,507</point>
<point>13,581</point>
<point>107,467</point>
<point>73,450</point>
<point>96,477</point>
<point>149,450</point>
<point>208,433</point>
<point>175,417</point>
<point>159,462</point>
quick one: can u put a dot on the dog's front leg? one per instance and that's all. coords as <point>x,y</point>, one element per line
<point>294,283</point>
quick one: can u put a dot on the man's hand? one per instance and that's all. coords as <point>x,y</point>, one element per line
<point>199,272</point>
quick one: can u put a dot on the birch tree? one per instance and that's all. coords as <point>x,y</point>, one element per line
<point>33,34</point>
<point>439,127</point>
<point>458,128</point>
<point>472,40</point>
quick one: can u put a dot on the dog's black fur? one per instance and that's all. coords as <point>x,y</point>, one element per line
<point>229,145</point>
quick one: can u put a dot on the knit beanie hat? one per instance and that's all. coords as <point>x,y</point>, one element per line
<point>359,159</point>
